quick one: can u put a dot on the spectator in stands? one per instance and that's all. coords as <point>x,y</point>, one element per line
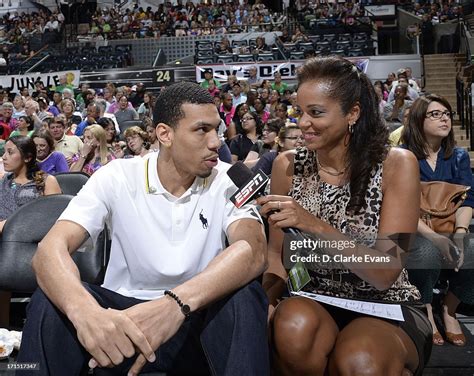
<point>32,110</point>
<point>110,133</point>
<point>413,88</point>
<point>150,128</point>
<point>260,46</point>
<point>396,135</point>
<point>237,96</point>
<point>223,47</point>
<point>137,141</point>
<point>251,132</point>
<point>63,84</point>
<point>253,80</point>
<point>72,120</point>
<point>69,145</point>
<point>269,142</point>
<point>49,161</point>
<point>281,112</point>
<point>429,135</point>
<point>259,107</point>
<point>93,114</point>
<point>273,101</point>
<point>55,105</point>
<point>43,112</point>
<point>231,80</point>
<point>24,181</point>
<point>94,153</point>
<point>235,127</point>
<point>289,138</point>
<point>393,111</point>
<point>226,110</point>
<point>146,108</point>
<point>344,138</point>
<point>298,36</point>
<point>7,116</point>
<point>25,127</point>
<point>208,77</point>
<point>18,107</point>
<point>427,35</point>
<point>125,113</point>
<point>383,93</point>
<point>109,92</point>
<point>389,81</point>
<point>293,110</point>
<point>213,89</point>
<point>114,107</point>
<point>138,95</point>
<point>278,84</point>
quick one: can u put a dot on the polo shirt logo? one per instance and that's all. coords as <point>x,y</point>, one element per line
<point>203,220</point>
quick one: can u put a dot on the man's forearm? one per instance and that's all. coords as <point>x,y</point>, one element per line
<point>59,278</point>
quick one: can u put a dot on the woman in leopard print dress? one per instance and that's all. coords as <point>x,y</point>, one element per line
<point>345,184</point>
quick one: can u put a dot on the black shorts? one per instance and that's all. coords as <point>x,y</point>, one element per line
<point>416,326</point>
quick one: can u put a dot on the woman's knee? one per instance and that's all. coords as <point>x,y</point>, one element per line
<point>299,325</point>
<point>365,354</point>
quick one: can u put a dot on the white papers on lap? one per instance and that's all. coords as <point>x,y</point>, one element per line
<point>387,311</point>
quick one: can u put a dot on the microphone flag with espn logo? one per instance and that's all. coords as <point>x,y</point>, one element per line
<point>254,186</point>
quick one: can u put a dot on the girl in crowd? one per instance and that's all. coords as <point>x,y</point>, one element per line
<point>94,153</point>
<point>18,107</point>
<point>146,108</point>
<point>429,135</point>
<point>110,134</point>
<point>289,138</point>
<point>281,111</point>
<point>151,131</point>
<point>137,141</point>
<point>269,141</point>
<point>24,180</point>
<point>251,131</point>
<point>259,106</point>
<point>235,126</point>
<point>25,127</point>
<point>273,101</point>
<point>334,187</point>
<point>49,161</point>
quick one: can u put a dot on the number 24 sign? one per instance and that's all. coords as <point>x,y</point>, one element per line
<point>163,77</point>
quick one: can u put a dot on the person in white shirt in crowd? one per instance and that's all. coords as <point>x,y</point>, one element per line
<point>237,96</point>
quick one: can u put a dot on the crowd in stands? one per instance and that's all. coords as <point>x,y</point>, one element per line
<point>438,11</point>
<point>183,19</point>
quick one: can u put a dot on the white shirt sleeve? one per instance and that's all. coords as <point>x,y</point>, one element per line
<point>92,205</point>
<point>233,214</point>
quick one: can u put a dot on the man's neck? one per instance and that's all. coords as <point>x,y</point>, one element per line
<point>173,180</point>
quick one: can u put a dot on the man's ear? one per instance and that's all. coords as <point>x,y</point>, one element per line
<point>165,134</point>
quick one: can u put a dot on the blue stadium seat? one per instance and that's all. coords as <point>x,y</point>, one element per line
<point>242,58</point>
<point>265,57</point>
<point>296,55</point>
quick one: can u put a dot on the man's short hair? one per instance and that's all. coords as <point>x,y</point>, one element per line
<point>168,108</point>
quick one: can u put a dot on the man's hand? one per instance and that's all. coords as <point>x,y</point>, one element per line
<point>110,336</point>
<point>160,320</point>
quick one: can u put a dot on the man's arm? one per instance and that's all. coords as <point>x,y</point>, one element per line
<point>241,262</point>
<point>108,335</point>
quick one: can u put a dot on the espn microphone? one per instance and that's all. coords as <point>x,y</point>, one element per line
<point>251,186</point>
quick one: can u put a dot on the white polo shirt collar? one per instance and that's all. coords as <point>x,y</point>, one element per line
<point>153,184</point>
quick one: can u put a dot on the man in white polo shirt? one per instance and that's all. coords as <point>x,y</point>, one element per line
<point>174,298</point>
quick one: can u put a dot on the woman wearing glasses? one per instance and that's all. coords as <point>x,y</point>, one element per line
<point>289,138</point>
<point>429,135</point>
<point>251,132</point>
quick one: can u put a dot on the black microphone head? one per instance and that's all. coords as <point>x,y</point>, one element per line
<point>240,174</point>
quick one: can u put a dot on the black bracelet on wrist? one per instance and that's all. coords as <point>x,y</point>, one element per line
<point>184,307</point>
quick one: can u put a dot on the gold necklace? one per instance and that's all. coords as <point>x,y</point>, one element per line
<point>337,173</point>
